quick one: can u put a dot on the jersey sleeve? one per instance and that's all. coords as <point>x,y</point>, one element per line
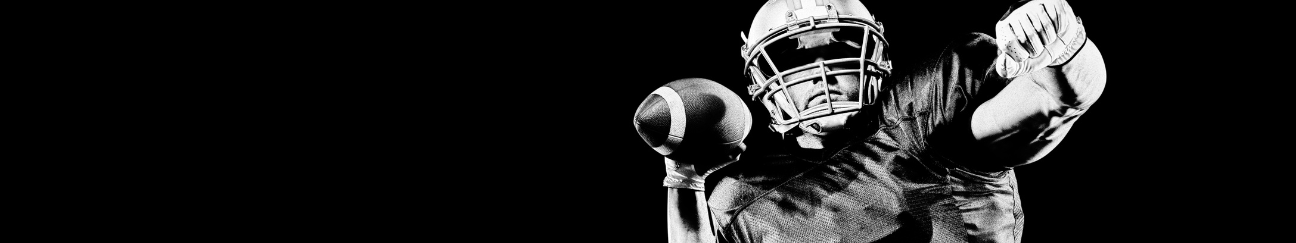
<point>934,100</point>
<point>957,107</point>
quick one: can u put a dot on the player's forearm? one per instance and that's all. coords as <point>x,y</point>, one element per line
<point>687,218</point>
<point>1085,77</point>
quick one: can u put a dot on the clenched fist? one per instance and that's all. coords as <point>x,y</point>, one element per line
<point>1038,34</point>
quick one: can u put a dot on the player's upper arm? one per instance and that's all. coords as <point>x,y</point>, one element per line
<point>1033,113</point>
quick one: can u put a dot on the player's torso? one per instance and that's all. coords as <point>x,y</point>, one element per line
<point>892,181</point>
<point>875,188</point>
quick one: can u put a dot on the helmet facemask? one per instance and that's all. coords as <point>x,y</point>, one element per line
<point>845,45</point>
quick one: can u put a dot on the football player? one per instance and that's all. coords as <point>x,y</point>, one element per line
<point>872,153</point>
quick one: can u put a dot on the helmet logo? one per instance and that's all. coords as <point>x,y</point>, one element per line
<point>801,9</point>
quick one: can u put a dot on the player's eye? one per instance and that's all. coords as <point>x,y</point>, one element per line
<point>841,50</point>
<point>793,52</point>
<point>784,56</point>
<point>789,59</point>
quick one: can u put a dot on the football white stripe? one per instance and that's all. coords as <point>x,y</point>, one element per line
<point>678,122</point>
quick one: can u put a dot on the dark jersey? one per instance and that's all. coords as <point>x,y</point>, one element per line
<point>910,173</point>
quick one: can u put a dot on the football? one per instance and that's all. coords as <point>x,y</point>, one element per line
<point>690,114</point>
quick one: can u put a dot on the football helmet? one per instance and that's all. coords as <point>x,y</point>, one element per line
<point>779,27</point>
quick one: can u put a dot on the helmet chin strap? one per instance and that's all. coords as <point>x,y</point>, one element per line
<point>815,132</point>
<point>827,125</point>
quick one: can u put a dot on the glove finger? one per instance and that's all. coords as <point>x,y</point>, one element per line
<point>1036,33</point>
<point>1023,30</point>
<point>1010,28</point>
<point>1051,11</point>
<point>1005,36</point>
<point>1047,28</point>
<point>1018,28</point>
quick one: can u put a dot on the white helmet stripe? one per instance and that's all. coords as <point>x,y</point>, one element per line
<point>807,8</point>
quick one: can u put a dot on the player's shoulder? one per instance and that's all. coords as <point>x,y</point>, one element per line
<point>973,50</point>
<point>743,182</point>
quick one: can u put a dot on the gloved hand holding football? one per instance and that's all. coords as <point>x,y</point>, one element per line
<point>697,124</point>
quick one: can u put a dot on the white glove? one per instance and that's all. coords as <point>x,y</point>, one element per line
<point>1036,35</point>
<point>690,173</point>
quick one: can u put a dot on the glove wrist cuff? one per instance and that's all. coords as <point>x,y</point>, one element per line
<point>675,181</point>
<point>1071,48</point>
<point>682,175</point>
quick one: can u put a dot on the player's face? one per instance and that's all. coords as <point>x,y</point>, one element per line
<point>842,87</point>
